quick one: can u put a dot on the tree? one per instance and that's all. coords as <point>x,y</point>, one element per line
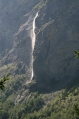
<point>76,110</point>
<point>76,53</point>
<point>3,80</point>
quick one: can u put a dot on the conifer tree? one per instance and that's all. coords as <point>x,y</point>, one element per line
<point>3,80</point>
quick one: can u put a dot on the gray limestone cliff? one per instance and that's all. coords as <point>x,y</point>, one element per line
<point>57,36</point>
<point>16,18</point>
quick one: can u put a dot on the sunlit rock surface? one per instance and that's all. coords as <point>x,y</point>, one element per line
<point>57,37</point>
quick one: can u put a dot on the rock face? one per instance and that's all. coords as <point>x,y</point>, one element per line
<point>15,41</point>
<point>57,38</point>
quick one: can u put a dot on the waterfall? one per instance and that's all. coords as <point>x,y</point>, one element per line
<point>33,38</point>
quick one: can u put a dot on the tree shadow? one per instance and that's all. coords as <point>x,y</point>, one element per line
<point>44,87</point>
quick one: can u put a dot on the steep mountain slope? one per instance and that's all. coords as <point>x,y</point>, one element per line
<point>54,105</point>
<point>15,41</point>
<point>57,38</point>
<point>54,66</point>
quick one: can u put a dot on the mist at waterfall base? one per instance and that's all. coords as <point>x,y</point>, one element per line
<point>33,39</point>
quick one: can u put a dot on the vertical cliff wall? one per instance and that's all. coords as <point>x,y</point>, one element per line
<point>57,38</point>
<point>16,19</point>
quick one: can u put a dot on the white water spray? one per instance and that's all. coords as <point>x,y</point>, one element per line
<point>33,37</point>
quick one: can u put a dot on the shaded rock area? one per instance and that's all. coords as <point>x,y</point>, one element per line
<point>57,38</point>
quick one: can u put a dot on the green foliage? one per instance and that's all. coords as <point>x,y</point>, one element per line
<point>76,110</point>
<point>2,81</point>
<point>34,103</point>
<point>35,106</point>
<point>45,106</point>
<point>76,53</point>
<point>42,3</point>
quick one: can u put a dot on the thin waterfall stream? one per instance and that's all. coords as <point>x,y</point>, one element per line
<point>33,37</point>
<point>30,24</point>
